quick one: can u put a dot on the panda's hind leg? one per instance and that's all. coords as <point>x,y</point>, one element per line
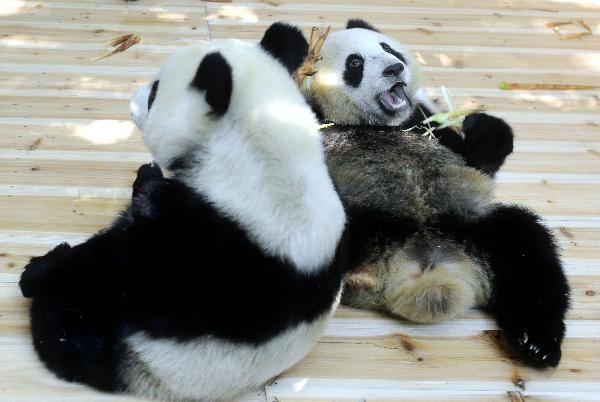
<point>530,293</point>
<point>77,342</point>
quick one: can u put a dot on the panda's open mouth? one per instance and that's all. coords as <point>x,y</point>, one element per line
<point>394,99</point>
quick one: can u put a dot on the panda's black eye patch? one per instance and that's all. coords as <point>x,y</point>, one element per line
<point>152,95</point>
<point>354,70</point>
<point>393,52</point>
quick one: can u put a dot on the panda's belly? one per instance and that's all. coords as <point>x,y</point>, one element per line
<point>210,368</point>
<point>406,176</point>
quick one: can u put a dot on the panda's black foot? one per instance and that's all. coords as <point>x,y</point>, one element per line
<point>39,270</point>
<point>488,141</point>
<point>538,342</point>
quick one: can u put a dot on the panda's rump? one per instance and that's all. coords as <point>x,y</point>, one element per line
<point>208,367</point>
<point>432,278</point>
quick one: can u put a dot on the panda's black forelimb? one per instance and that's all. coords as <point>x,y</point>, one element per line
<point>149,176</point>
<point>488,141</point>
<point>530,293</point>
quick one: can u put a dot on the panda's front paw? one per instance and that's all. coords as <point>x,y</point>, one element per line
<point>149,178</point>
<point>488,141</point>
<point>538,342</point>
<point>147,172</point>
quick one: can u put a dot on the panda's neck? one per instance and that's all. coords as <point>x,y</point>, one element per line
<point>278,189</point>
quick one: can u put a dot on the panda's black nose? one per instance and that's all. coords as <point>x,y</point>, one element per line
<point>394,70</point>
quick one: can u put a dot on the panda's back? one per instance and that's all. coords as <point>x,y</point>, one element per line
<point>403,173</point>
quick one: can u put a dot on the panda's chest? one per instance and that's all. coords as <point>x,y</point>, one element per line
<point>407,175</point>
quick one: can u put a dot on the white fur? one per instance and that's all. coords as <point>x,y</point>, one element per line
<point>210,368</point>
<point>262,164</point>
<point>344,104</point>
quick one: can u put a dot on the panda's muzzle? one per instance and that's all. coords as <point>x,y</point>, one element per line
<point>394,99</point>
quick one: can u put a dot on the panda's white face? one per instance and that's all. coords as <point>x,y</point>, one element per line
<point>208,89</point>
<point>364,77</point>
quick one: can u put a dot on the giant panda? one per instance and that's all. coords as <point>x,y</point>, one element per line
<point>428,239</point>
<point>222,276</point>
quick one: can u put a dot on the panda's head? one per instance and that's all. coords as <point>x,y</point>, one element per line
<point>363,77</point>
<point>204,92</point>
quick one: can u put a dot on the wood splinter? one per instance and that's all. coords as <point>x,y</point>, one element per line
<point>314,51</point>
<point>120,44</point>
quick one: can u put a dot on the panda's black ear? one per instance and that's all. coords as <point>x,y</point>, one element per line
<point>214,77</point>
<point>286,43</point>
<point>358,23</point>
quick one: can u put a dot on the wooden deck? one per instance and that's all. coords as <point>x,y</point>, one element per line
<point>68,154</point>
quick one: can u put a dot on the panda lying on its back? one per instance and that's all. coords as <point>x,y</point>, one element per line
<point>426,234</point>
<point>220,278</point>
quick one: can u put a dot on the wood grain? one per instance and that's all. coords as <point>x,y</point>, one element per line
<point>68,155</point>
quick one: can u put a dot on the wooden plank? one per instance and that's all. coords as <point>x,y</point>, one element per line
<point>545,7</point>
<point>120,135</point>
<point>553,198</point>
<point>80,215</point>
<point>222,28</point>
<point>446,363</point>
<point>546,162</point>
<point>163,17</point>
<point>70,135</point>
<point>102,106</point>
<point>389,16</point>
<point>57,172</point>
<point>169,18</point>
<point>145,55</point>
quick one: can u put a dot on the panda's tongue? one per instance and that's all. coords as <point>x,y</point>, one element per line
<point>394,98</point>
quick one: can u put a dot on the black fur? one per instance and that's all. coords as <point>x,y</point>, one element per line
<point>172,266</point>
<point>393,52</point>
<point>152,95</point>
<point>214,77</point>
<point>358,23</point>
<point>354,69</point>
<point>370,232</point>
<point>488,141</point>
<point>394,70</point>
<point>287,44</point>
<point>530,292</point>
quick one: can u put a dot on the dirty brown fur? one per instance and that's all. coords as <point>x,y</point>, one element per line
<point>426,276</point>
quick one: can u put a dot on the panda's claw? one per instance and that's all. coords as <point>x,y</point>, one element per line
<point>539,350</point>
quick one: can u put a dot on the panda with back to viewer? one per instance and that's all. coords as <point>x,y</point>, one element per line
<point>205,287</point>
<point>428,239</point>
